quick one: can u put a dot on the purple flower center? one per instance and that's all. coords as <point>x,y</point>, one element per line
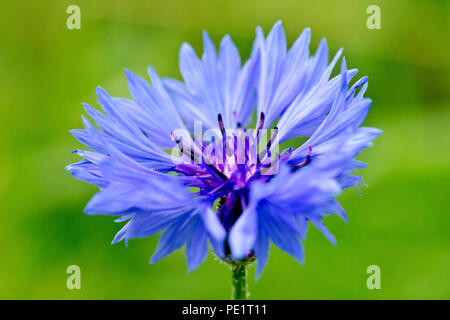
<point>223,169</point>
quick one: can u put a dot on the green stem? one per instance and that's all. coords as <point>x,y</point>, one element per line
<point>239,278</point>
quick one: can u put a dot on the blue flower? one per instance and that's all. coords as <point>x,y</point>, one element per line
<point>231,187</point>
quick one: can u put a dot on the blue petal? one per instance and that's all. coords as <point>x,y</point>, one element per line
<point>157,104</point>
<point>191,69</point>
<point>309,108</point>
<point>173,238</point>
<point>244,91</point>
<point>319,224</point>
<point>196,245</point>
<point>92,157</point>
<point>190,106</point>
<point>243,234</point>
<point>334,207</point>
<point>229,64</point>
<point>261,252</point>
<point>282,237</point>
<point>87,171</point>
<point>215,230</point>
<point>145,224</point>
<point>294,77</point>
<point>273,52</point>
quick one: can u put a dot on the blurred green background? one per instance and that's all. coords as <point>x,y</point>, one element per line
<point>401,223</point>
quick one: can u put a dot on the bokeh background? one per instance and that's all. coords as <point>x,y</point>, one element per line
<point>401,223</point>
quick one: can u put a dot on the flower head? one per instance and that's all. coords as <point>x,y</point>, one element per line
<point>231,186</point>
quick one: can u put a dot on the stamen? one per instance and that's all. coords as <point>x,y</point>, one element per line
<point>273,137</point>
<point>246,147</point>
<point>269,168</point>
<point>260,124</point>
<point>184,149</point>
<point>235,148</point>
<point>239,124</point>
<point>178,141</point>
<point>266,151</point>
<point>221,125</point>
<point>305,162</point>
<point>216,172</point>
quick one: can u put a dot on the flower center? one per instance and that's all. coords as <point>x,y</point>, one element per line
<point>222,168</point>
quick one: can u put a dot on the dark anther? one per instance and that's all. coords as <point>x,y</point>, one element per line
<point>184,149</point>
<point>302,164</point>
<point>217,172</point>
<point>177,140</point>
<point>273,137</point>
<point>221,126</point>
<point>260,123</point>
